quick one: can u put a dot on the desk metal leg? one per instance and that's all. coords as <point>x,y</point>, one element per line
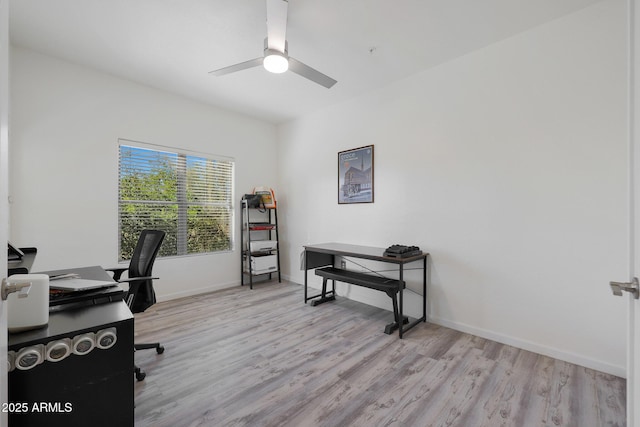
<point>401,292</point>
<point>401,329</point>
<point>305,275</point>
<point>424,290</point>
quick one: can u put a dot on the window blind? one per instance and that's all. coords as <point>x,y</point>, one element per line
<point>189,196</point>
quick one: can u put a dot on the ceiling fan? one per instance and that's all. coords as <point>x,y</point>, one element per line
<point>276,58</point>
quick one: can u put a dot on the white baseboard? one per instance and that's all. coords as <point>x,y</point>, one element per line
<point>197,291</point>
<point>598,365</point>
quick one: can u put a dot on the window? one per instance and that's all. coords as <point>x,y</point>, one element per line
<point>189,196</point>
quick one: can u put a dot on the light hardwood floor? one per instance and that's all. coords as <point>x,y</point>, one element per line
<point>262,357</point>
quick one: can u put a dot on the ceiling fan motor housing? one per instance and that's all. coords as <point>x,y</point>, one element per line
<point>274,60</point>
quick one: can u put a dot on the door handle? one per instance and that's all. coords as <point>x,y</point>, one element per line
<point>633,287</point>
<point>8,288</point>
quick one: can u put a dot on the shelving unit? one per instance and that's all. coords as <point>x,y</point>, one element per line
<point>260,254</point>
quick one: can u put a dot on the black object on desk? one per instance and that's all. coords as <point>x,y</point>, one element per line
<point>20,260</point>
<point>68,300</point>
<point>323,255</point>
<point>402,251</point>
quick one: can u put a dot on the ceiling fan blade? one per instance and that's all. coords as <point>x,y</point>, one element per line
<point>277,24</point>
<point>238,67</point>
<point>311,74</point>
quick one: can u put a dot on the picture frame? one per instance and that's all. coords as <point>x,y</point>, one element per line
<point>355,175</point>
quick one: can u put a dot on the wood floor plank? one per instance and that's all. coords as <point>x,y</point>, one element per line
<point>262,357</point>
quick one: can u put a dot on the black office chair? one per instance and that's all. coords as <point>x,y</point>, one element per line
<point>141,295</point>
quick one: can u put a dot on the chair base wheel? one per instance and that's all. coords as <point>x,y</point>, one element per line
<point>140,375</point>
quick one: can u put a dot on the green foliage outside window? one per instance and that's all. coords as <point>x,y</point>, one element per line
<point>188,197</point>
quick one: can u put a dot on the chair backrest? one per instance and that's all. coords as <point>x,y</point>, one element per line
<point>141,294</point>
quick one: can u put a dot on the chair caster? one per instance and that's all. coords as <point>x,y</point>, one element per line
<point>160,349</point>
<point>140,374</point>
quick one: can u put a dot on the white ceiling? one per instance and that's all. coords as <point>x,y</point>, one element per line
<point>364,44</point>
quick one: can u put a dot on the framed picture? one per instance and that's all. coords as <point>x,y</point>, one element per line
<point>355,175</point>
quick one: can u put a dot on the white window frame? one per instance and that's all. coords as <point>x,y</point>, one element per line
<point>179,238</point>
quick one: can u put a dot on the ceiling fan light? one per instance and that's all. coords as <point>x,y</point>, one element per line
<point>275,62</point>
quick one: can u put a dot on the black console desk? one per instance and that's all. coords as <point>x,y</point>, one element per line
<point>92,389</point>
<point>323,255</point>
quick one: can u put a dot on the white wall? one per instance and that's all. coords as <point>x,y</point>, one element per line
<point>508,166</point>
<point>66,121</point>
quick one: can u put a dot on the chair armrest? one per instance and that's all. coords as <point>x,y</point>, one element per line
<point>136,279</point>
<point>117,272</point>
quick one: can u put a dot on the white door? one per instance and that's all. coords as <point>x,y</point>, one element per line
<point>633,369</point>
<point>631,286</point>
<point>633,340</point>
<point>4,191</point>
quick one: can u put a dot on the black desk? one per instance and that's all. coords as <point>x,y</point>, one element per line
<point>94,389</point>
<point>322,255</point>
